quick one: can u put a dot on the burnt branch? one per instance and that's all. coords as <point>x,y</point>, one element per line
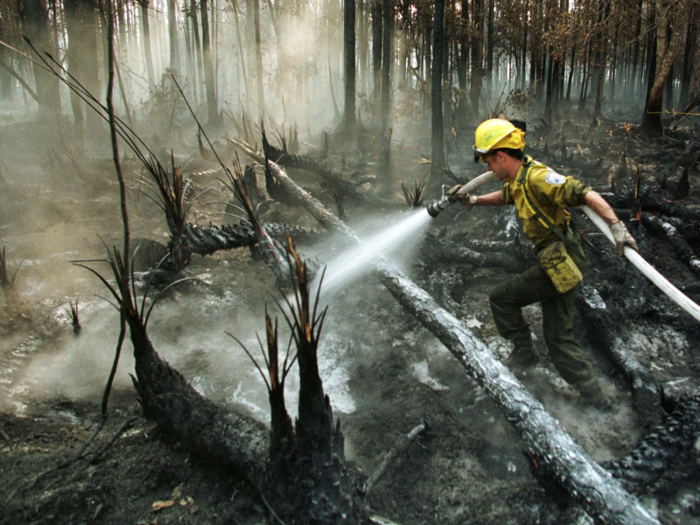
<point>5,281</point>
<point>268,248</point>
<point>74,317</point>
<point>315,424</point>
<point>668,232</point>
<point>415,197</point>
<point>651,201</point>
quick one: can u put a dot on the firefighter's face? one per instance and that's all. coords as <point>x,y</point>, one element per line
<point>495,162</point>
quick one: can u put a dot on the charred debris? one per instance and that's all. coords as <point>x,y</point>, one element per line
<point>298,469</point>
<point>607,302</point>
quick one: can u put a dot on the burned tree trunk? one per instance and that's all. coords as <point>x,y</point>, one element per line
<point>36,20</point>
<point>438,132</point>
<point>173,38</point>
<point>205,240</point>
<point>227,437</point>
<point>209,76</point>
<point>604,331</point>
<point>671,235</point>
<point>349,45</point>
<point>602,497</point>
<point>651,121</point>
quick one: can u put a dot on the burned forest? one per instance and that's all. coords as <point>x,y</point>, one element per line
<point>236,288</point>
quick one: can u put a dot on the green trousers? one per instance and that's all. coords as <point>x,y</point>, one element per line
<point>507,301</point>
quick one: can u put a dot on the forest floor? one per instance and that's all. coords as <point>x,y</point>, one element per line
<point>385,374</point>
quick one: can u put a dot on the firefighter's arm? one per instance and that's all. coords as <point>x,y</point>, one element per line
<point>617,227</point>
<point>490,199</point>
<point>601,207</point>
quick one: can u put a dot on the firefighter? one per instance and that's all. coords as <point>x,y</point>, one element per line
<point>541,196</point>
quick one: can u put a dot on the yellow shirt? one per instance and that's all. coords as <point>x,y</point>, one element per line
<point>551,192</point>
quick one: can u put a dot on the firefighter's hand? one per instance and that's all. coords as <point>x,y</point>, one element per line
<point>622,238</point>
<point>468,200</point>
<point>458,193</point>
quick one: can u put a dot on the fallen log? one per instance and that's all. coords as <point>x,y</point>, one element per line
<point>205,240</point>
<point>645,390</point>
<point>225,437</point>
<point>647,269</point>
<point>651,200</point>
<point>451,252</point>
<point>670,234</point>
<point>603,497</point>
<point>339,183</point>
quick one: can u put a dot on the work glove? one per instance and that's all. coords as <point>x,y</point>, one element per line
<point>622,238</point>
<point>467,199</point>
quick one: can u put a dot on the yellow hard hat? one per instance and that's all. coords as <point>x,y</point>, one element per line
<point>495,134</point>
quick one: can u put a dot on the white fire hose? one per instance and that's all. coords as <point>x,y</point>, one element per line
<point>647,269</point>
<point>637,260</point>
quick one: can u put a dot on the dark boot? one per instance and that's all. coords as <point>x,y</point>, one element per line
<point>593,395</point>
<point>522,358</point>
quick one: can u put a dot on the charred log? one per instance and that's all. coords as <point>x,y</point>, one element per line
<point>449,251</point>
<point>603,498</point>
<point>602,323</point>
<point>306,163</point>
<point>205,240</point>
<point>669,233</point>
<point>651,201</point>
<point>670,442</point>
<point>223,436</point>
<point>335,180</point>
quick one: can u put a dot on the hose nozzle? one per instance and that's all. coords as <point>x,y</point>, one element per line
<point>438,206</point>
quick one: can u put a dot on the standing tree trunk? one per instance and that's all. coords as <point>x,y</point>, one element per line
<point>146,30</point>
<point>75,25</point>
<point>489,46</point>
<point>172,37</point>
<point>258,58</point>
<point>209,78</point>
<point>198,74</point>
<point>81,26</point>
<point>635,59</point>
<point>477,55</point>
<point>386,64</point>
<point>688,60</point>
<point>651,54</point>
<point>437,135</point>
<point>462,61</point>
<point>651,121</point>
<point>36,20</point>
<point>376,51</point>
<point>349,116</point>
<point>601,56</point>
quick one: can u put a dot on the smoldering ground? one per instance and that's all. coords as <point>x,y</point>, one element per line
<point>383,372</point>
